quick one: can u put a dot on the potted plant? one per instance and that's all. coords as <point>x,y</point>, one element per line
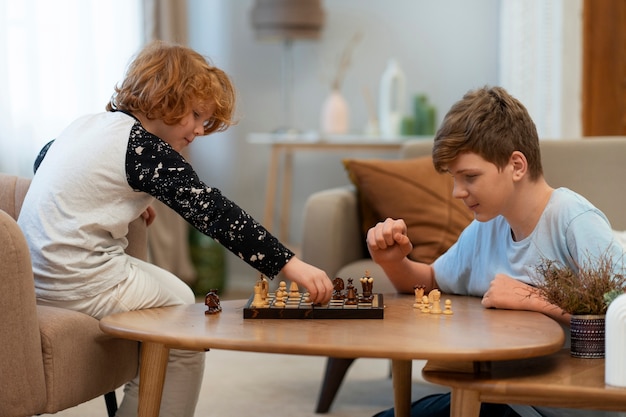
<point>586,295</point>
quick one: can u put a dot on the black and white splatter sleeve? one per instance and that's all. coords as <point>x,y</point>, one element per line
<point>154,167</point>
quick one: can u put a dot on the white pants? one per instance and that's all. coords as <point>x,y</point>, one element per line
<point>150,286</point>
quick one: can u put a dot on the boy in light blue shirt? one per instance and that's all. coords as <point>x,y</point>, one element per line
<point>489,144</point>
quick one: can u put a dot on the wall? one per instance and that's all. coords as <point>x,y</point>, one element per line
<point>445,48</point>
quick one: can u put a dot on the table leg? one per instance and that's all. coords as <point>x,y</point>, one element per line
<point>285,209</point>
<point>464,403</point>
<point>270,192</point>
<point>401,375</point>
<point>152,369</point>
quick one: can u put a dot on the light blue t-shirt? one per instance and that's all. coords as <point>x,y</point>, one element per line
<point>570,230</point>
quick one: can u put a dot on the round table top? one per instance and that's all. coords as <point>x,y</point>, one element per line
<point>472,332</point>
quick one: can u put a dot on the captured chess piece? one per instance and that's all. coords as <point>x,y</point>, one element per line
<point>448,307</point>
<point>425,304</point>
<point>419,294</point>
<point>435,297</point>
<point>212,301</point>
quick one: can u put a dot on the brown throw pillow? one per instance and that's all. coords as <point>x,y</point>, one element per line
<point>410,189</point>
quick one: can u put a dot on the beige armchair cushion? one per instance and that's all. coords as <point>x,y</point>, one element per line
<point>412,190</point>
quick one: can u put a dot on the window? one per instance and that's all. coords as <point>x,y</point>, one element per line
<point>59,59</point>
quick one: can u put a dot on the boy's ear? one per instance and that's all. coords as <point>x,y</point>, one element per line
<point>519,164</point>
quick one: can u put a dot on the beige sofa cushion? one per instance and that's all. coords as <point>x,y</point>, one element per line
<point>412,190</point>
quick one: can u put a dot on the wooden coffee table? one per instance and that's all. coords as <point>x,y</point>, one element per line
<point>472,333</point>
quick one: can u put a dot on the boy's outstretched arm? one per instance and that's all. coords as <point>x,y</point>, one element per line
<point>389,245</point>
<point>508,293</point>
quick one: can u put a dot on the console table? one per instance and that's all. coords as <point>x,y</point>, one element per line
<point>283,146</point>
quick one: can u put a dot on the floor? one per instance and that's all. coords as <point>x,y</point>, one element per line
<point>243,383</point>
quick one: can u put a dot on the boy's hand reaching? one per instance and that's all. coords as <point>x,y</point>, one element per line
<point>388,241</point>
<point>315,280</point>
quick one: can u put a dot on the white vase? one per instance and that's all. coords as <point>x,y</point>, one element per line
<point>391,101</point>
<point>335,114</point>
<point>615,351</point>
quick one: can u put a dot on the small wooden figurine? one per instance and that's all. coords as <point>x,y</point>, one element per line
<point>212,301</point>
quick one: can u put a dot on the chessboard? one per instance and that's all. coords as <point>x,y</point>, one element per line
<point>299,308</point>
<point>346,302</point>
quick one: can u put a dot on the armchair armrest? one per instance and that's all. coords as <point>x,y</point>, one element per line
<point>332,235</point>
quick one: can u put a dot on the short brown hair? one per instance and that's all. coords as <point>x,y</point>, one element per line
<point>165,81</point>
<point>491,123</point>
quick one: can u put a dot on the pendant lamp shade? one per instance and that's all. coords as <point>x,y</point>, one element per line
<point>287,19</point>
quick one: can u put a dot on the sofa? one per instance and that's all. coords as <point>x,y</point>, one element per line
<point>335,220</point>
<point>51,358</point>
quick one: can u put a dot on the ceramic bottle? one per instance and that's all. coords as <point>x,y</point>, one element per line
<point>392,97</point>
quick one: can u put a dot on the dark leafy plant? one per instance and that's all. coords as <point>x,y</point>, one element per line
<point>588,291</point>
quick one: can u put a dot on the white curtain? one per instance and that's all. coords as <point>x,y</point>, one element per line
<point>59,59</point>
<point>540,53</point>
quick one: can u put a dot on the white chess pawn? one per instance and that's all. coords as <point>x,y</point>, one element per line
<point>281,293</point>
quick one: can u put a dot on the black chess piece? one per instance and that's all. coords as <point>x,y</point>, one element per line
<point>351,297</point>
<point>212,301</point>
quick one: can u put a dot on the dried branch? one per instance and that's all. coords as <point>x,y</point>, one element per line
<point>345,60</point>
<point>583,292</point>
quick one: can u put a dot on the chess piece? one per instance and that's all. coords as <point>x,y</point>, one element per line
<point>367,284</point>
<point>281,294</point>
<point>338,286</point>
<point>435,295</point>
<point>265,287</point>
<point>257,301</point>
<point>351,297</point>
<point>212,301</point>
<point>419,294</point>
<point>425,304</point>
<point>448,307</point>
<point>294,292</point>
